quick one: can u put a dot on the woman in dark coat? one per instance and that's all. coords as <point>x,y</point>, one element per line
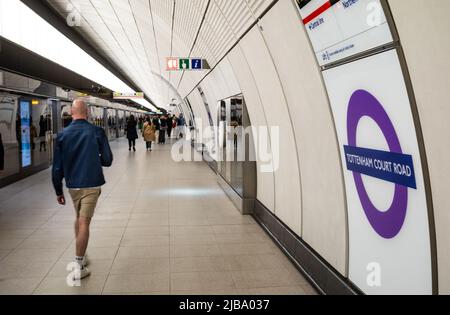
<point>132,134</point>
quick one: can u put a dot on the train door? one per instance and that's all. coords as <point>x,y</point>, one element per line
<point>41,129</point>
<point>33,128</point>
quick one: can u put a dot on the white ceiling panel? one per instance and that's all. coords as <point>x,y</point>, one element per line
<point>138,35</point>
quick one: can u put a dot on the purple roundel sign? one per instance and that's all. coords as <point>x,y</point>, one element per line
<point>387,224</point>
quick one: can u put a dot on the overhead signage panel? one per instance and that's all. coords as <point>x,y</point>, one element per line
<point>186,64</point>
<point>339,29</point>
<point>128,96</point>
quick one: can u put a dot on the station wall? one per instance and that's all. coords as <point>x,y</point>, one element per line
<point>274,67</point>
<point>429,69</point>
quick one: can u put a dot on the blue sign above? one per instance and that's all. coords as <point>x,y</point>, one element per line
<point>388,166</point>
<point>197,64</point>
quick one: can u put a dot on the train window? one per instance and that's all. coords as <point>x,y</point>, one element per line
<point>25,128</point>
<point>41,130</point>
<point>112,124</point>
<point>10,133</point>
<point>121,123</point>
<point>96,116</point>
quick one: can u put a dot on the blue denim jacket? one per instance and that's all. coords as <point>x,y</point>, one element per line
<point>81,151</point>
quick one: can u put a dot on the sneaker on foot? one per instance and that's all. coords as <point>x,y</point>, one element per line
<point>81,274</point>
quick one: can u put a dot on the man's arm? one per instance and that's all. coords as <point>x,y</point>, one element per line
<point>58,169</point>
<point>106,155</point>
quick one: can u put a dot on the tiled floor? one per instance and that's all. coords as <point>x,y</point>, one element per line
<point>161,228</point>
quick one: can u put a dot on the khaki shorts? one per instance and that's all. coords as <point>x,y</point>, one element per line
<point>85,201</point>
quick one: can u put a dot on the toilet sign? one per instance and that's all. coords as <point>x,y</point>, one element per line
<point>382,167</point>
<point>172,64</point>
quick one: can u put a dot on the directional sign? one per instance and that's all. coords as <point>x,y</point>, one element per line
<point>339,29</point>
<point>186,64</point>
<point>127,96</point>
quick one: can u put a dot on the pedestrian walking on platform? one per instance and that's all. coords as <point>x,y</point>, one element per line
<point>149,133</point>
<point>132,134</point>
<point>81,152</point>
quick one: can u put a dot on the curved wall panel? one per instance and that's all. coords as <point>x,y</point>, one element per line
<point>423,28</point>
<point>265,181</point>
<point>284,151</point>
<point>282,86</point>
<point>324,212</point>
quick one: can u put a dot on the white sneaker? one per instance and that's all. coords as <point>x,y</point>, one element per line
<point>81,274</point>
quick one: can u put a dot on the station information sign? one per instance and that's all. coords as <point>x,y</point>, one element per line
<point>127,96</point>
<point>339,29</point>
<point>388,215</point>
<point>186,64</point>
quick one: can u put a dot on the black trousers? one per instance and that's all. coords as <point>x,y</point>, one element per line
<point>132,143</point>
<point>169,132</point>
<point>149,145</point>
<point>162,136</point>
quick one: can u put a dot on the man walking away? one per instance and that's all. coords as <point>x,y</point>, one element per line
<point>81,151</point>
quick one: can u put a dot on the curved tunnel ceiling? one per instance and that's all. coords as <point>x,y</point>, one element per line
<point>138,35</point>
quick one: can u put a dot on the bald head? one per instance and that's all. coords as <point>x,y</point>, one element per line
<point>79,110</point>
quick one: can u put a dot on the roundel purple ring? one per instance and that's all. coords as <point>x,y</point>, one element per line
<point>387,224</point>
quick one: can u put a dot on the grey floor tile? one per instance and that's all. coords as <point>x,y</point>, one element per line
<point>198,264</point>
<point>24,286</point>
<point>180,251</point>
<point>143,252</point>
<point>122,284</point>
<point>24,269</point>
<point>192,281</point>
<point>92,285</point>
<point>140,266</point>
<point>266,278</point>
